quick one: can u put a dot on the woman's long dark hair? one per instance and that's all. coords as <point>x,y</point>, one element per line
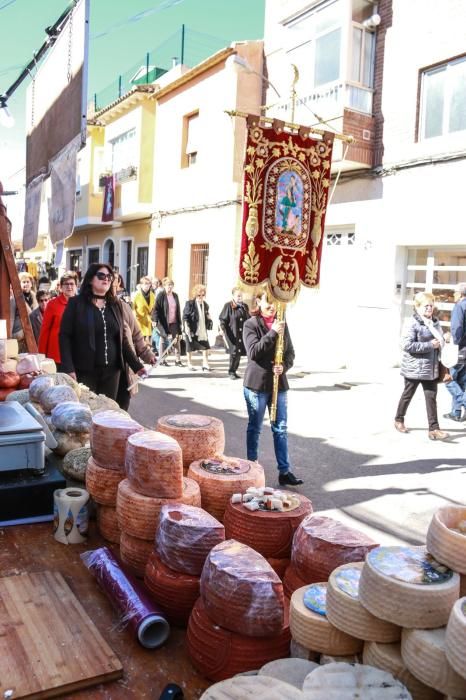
<point>86,285</point>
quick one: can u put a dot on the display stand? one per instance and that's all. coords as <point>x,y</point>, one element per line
<point>9,276</point>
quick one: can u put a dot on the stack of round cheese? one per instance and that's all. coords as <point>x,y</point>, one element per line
<point>446,537</point>
<point>405,586</point>
<point>218,653</point>
<point>310,626</point>
<point>185,536</point>
<point>220,478</point>
<point>257,687</point>
<point>198,436</point>
<point>268,532</point>
<point>423,652</point>
<point>139,515</point>
<point>280,566</point>
<point>321,544</point>
<point>107,523</point>
<point>341,681</point>
<point>344,609</point>
<point>175,592</point>
<point>135,553</point>
<point>154,466</point>
<point>455,640</point>
<point>241,592</point>
<point>110,431</point>
<point>388,658</point>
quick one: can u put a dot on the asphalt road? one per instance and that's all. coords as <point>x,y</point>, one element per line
<point>355,466</point>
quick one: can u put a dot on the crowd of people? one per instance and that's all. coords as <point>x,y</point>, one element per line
<point>102,336</point>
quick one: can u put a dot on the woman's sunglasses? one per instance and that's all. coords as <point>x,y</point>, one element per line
<point>104,276</point>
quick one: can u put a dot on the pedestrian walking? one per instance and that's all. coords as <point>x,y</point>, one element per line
<point>196,323</point>
<point>36,316</point>
<point>49,343</point>
<point>260,337</point>
<point>232,319</point>
<point>420,363</point>
<point>94,347</point>
<point>16,329</point>
<point>143,305</point>
<point>167,318</point>
<point>120,290</point>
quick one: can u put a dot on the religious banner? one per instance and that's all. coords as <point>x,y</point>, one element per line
<point>32,212</point>
<point>286,181</point>
<point>109,198</point>
<point>62,203</point>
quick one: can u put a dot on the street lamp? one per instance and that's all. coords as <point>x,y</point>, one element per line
<point>6,118</point>
<point>239,64</point>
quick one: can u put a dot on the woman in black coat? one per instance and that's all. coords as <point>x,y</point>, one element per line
<point>260,336</point>
<point>166,315</point>
<point>196,323</point>
<point>232,318</point>
<point>94,348</point>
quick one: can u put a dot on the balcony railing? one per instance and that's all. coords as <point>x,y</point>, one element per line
<point>330,100</point>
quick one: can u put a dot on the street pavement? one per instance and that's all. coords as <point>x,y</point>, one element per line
<point>342,442</point>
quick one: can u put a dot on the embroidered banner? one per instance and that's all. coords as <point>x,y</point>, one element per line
<point>286,181</point>
<point>109,198</point>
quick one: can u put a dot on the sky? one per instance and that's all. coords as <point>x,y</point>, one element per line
<point>121,33</point>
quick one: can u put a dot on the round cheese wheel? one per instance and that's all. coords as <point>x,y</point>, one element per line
<point>102,484</point>
<point>423,652</point>
<point>107,523</point>
<point>138,515</point>
<point>199,437</point>
<point>55,395</point>
<point>258,687</point>
<point>27,364</point>
<point>342,681</point>
<point>292,581</point>
<point>218,653</point>
<point>462,585</point>
<point>345,611</point>
<point>135,553</point>
<point>268,532</point>
<point>292,671</point>
<point>185,536</point>
<point>26,380</point>
<point>404,585</point>
<point>279,566</point>
<point>445,541</point>
<point>39,385</point>
<point>388,658</point>
<point>321,544</point>
<point>455,641</point>
<point>154,466</point>
<point>313,630</point>
<point>175,592</point>
<point>8,365</point>
<point>109,434</point>
<point>219,479</point>
<point>241,591</point>
<point>9,380</point>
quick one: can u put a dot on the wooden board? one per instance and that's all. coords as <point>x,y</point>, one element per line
<point>48,644</point>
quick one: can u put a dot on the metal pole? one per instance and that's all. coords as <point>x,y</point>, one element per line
<point>119,85</point>
<point>147,67</point>
<point>182,44</point>
<point>278,360</point>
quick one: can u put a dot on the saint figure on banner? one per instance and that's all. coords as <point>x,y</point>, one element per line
<point>289,203</point>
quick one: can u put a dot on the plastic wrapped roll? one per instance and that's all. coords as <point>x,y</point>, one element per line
<point>220,478</point>
<point>109,434</point>
<point>139,515</point>
<point>199,437</point>
<point>321,544</point>
<point>218,654</point>
<point>175,592</point>
<point>154,466</point>
<point>72,417</point>
<point>129,598</point>
<point>241,591</point>
<point>102,483</point>
<point>56,395</point>
<point>268,532</point>
<point>107,523</point>
<point>135,553</point>
<point>40,385</point>
<point>185,536</point>
<point>292,581</point>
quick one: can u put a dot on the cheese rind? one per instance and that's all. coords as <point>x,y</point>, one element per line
<point>257,687</point>
<point>154,465</point>
<point>342,681</point>
<point>423,652</point>
<point>444,541</point>
<point>199,436</point>
<point>455,638</point>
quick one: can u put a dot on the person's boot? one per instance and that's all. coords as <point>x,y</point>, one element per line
<point>400,426</point>
<point>438,434</point>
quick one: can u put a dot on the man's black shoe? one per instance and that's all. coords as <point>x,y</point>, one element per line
<point>451,416</point>
<point>233,376</point>
<point>289,479</point>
